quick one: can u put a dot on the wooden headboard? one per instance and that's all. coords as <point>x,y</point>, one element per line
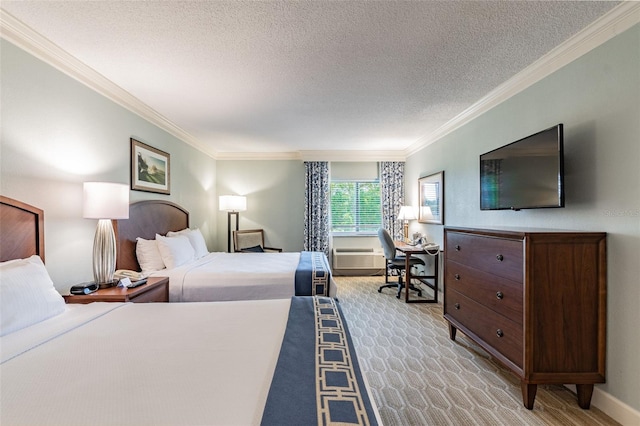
<point>146,219</point>
<point>21,230</point>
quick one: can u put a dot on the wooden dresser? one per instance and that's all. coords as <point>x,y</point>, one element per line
<point>534,299</point>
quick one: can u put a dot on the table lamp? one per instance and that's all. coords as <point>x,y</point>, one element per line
<point>105,201</point>
<point>406,214</point>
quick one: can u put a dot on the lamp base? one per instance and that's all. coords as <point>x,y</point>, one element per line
<point>108,284</point>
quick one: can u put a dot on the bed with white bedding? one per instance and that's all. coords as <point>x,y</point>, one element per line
<point>202,276</point>
<point>269,362</point>
<point>232,276</point>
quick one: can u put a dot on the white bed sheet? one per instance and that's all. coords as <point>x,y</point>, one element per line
<point>135,364</point>
<point>235,276</point>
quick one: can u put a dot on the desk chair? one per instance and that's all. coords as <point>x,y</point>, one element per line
<point>395,262</point>
<point>251,240</point>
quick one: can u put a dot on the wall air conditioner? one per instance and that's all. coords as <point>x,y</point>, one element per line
<point>357,258</point>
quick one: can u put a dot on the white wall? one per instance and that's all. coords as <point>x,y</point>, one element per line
<point>57,134</point>
<point>597,97</point>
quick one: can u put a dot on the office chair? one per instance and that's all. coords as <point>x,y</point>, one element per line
<point>395,262</point>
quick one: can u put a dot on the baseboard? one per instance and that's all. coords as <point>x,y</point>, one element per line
<point>613,407</point>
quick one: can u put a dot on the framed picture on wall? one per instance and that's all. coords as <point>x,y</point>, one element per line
<point>150,168</point>
<point>431,199</point>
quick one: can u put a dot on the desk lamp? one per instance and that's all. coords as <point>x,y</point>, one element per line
<point>406,214</point>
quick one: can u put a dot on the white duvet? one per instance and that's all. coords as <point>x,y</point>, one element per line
<point>234,276</point>
<point>143,364</point>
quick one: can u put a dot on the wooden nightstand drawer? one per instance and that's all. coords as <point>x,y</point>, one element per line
<point>155,290</point>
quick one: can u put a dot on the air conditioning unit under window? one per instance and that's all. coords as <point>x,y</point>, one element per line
<point>357,258</point>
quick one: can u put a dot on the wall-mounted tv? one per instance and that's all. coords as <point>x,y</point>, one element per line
<point>525,174</point>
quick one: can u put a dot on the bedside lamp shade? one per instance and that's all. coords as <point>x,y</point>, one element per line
<point>105,201</point>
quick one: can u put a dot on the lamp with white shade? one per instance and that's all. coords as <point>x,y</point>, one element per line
<point>232,204</point>
<point>105,201</point>
<point>406,214</point>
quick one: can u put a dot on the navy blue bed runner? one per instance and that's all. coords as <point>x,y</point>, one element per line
<point>313,274</point>
<point>317,379</point>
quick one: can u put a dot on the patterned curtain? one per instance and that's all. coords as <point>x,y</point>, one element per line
<point>392,188</point>
<point>316,210</point>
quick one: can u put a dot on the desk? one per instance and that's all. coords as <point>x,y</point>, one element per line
<point>409,250</point>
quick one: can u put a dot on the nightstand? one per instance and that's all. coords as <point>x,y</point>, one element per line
<point>155,290</point>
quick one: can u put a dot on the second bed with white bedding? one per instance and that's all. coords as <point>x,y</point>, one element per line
<point>235,276</point>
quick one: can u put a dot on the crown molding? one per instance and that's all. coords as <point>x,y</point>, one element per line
<point>614,22</point>
<point>315,156</point>
<point>353,155</point>
<point>16,32</point>
<point>257,156</point>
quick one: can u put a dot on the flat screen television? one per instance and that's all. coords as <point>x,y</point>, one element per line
<point>525,174</point>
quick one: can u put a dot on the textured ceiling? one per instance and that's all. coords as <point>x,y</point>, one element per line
<point>285,76</point>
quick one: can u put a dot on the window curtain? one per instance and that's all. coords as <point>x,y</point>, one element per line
<point>392,195</point>
<point>316,210</point>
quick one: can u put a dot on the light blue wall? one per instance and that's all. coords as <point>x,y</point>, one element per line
<point>275,200</point>
<point>57,134</point>
<point>597,97</point>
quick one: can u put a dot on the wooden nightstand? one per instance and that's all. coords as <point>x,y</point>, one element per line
<point>155,290</point>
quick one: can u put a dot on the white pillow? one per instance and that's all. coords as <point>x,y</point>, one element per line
<point>175,251</point>
<point>195,238</point>
<point>148,256</point>
<point>27,294</point>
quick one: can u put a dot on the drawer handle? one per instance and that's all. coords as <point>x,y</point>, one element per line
<point>457,277</point>
<point>500,258</point>
<point>456,305</point>
<point>499,295</point>
<point>499,333</point>
<point>457,247</point>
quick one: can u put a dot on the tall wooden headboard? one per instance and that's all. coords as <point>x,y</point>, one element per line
<point>21,230</point>
<point>146,219</point>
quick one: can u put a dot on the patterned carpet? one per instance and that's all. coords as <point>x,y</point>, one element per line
<point>418,376</point>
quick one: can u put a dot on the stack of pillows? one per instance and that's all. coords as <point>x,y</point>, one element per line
<point>174,250</point>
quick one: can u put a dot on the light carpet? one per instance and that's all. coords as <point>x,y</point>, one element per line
<point>418,376</point>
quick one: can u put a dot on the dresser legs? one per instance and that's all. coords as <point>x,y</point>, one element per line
<point>528,394</point>
<point>584,395</point>
<point>452,332</point>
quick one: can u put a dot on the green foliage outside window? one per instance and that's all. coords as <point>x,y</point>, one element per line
<point>355,206</point>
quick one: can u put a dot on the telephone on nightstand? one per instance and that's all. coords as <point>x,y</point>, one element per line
<point>129,279</point>
<point>126,273</point>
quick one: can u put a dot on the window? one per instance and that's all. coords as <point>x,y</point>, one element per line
<point>355,206</point>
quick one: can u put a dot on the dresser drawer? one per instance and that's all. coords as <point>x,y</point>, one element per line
<point>502,334</point>
<point>498,256</point>
<point>498,294</point>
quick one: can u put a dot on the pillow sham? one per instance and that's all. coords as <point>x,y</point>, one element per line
<point>148,256</point>
<point>27,294</point>
<point>175,251</point>
<point>195,238</point>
